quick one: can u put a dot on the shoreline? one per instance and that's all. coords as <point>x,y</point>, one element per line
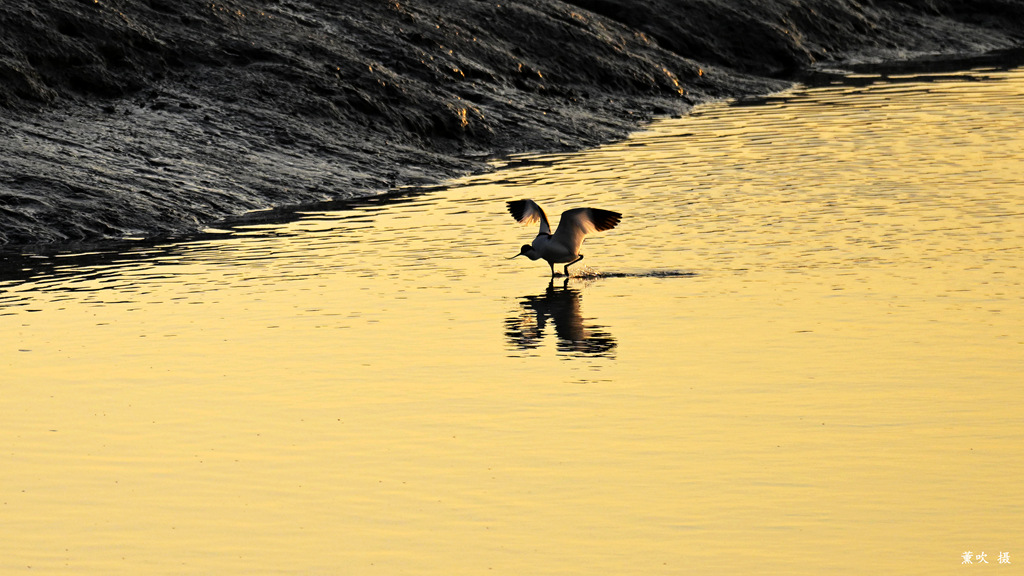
<point>183,121</point>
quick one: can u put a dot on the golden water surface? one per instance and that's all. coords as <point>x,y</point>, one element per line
<point>801,352</point>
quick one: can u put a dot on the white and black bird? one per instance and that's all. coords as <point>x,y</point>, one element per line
<point>564,245</point>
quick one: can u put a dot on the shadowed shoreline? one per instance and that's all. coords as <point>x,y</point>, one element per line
<point>125,119</point>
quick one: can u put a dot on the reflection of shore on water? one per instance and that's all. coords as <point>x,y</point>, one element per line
<point>561,306</point>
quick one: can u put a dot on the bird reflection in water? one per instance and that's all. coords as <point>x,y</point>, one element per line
<point>561,306</point>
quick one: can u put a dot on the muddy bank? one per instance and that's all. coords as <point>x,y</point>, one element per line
<point>159,117</point>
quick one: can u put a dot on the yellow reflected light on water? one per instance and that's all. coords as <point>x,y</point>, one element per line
<point>799,353</point>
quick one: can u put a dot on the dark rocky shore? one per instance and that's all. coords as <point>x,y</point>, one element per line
<point>159,117</point>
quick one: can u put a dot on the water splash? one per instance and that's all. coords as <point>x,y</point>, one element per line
<point>587,273</point>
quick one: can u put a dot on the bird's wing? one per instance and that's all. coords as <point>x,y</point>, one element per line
<point>528,212</point>
<point>578,222</point>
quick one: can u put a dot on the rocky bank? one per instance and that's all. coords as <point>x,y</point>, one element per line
<point>159,117</point>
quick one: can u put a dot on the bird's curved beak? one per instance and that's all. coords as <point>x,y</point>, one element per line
<point>520,254</point>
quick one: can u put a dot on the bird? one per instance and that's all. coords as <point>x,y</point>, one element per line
<point>564,245</point>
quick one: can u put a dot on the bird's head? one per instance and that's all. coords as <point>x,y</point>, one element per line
<point>527,251</point>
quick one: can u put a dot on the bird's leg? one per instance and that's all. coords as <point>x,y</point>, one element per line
<point>552,264</point>
<point>580,257</point>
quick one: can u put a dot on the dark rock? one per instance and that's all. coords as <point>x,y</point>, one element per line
<point>234,106</point>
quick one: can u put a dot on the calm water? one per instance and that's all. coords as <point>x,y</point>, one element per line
<point>800,353</point>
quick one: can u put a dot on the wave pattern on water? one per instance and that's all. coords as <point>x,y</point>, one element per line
<point>817,177</point>
<point>808,305</point>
